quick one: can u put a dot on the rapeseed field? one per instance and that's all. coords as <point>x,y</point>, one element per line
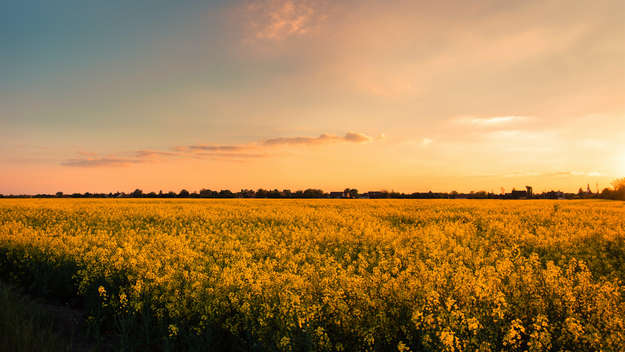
<point>328,275</point>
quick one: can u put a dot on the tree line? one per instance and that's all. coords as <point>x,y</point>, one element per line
<point>616,192</point>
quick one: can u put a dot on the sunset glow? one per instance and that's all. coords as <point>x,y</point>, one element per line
<point>409,96</point>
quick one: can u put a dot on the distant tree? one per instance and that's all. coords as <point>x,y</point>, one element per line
<point>261,193</point>
<point>183,193</point>
<point>353,193</point>
<point>480,194</point>
<point>247,193</point>
<point>274,194</point>
<point>607,193</point>
<point>226,193</point>
<point>207,193</point>
<point>618,183</point>
<point>137,193</point>
<point>619,188</point>
<point>59,194</point>
<point>313,193</point>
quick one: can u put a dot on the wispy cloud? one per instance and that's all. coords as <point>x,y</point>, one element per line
<point>215,148</point>
<point>280,19</point>
<point>210,151</point>
<point>554,174</point>
<point>100,162</point>
<point>493,121</point>
<point>229,156</point>
<point>153,154</point>
<point>351,137</point>
<point>521,174</point>
<point>497,120</point>
<point>426,141</point>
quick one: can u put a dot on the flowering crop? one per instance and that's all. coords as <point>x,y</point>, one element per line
<point>453,275</point>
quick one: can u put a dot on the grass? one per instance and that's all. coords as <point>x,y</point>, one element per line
<point>26,324</point>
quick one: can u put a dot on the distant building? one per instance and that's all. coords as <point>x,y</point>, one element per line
<point>518,194</point>
<point>528,193</point>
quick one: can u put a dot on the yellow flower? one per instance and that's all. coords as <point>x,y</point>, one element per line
<point>173,330</point>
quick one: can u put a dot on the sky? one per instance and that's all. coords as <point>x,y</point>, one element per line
<point>106,96</point>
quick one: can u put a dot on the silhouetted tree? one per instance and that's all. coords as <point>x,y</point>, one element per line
<point>207,193</point>
<point>247,193</point>
<point>261,193</point>
<point>137,193</point>
<point>480,194</point>
<point>183,193</point>
<point>274,194</point>
<point>313,193</point>
<point>619,188</point>
<point>226,193</point>
<point>607,193</point>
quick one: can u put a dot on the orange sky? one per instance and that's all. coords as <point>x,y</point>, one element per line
<point>407,96</point>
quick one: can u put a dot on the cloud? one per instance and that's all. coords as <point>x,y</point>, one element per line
<point>91,159</point>
<point>209,151</point>
<point>356,137</point>
<point>229,156</point>
<point>494,121</point>
<point>351,137</point>
<point>215,148</point>
<point>100,162</point>
<point>281,19</point>
<point>554,174</point>
<point>583,173</point>
<point>497,120</point>
<point>522,174</point>
<point>153,153</point>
